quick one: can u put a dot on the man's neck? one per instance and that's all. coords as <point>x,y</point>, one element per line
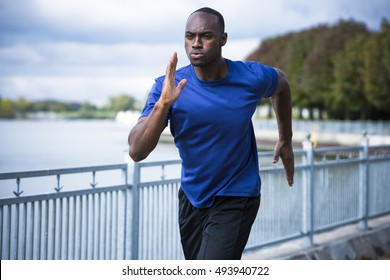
<point>212,72</point>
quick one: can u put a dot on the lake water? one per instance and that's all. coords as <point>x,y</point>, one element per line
<point>36,145</point>
<point>27,145</point>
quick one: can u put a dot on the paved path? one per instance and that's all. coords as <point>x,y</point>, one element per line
<point>348,242</point>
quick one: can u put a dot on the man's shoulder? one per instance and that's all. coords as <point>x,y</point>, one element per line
<point>251,66</point>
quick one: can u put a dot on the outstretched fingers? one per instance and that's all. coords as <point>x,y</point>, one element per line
<point>288,163</point>
<point>171,68</point>
<point>285,152</point>
<point>170,92</point>
<point>180,86</point>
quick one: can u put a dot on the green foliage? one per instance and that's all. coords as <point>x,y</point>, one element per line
<point>377,71</point>
<point>341,70</point>
<point>346,99</point>
<point>22,108</point>
<point>7,109</point>
<point>121,102</point>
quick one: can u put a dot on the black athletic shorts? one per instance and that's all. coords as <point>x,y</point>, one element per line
<point>219,232</point>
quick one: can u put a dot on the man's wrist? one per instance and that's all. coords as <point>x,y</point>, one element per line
<point>163,106</point>
<point>286,139</point>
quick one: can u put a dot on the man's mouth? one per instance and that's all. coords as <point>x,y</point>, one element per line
<point>196,55</point>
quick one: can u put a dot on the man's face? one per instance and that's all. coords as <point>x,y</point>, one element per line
<point>203,39</point>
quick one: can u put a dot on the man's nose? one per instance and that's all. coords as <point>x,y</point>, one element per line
<point>197,42</point>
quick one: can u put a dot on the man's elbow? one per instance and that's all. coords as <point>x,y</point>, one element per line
<point>136,155</point>
<point>134,152</point>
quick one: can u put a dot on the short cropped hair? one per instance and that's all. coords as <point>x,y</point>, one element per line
<point>207,10</point>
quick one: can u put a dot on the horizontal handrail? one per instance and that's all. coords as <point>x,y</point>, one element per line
<point>159,163</point>
<point>52,172</point>
<point>57,195</point>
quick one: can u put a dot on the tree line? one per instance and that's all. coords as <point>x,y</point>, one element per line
<point>341,71</point>
<point>22,107</point>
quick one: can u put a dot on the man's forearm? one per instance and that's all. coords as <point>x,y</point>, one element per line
<point>281,103</point>
<point>143,138</point>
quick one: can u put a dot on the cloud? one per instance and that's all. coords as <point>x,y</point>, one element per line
<point>118,21</point>
<point>94,20</point>
<point>59,56</point>
<point>91,49</point>
<point>79,71</point>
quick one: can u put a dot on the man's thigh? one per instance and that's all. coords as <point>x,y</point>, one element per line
<point>191,225</point>
<point>227,227</point>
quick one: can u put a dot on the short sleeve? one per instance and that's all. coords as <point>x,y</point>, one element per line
<point>271,76</point>
<point>153,97</point>
<point>267,76</point>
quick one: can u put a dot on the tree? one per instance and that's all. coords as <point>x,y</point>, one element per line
<point>319,65</point>
<point>377,71</point>
<point>346,99</point>
<point>7,109</point>
<point>24,106</point>
<point>308,57</point>
<point>87,110</point>
<point>121,102</point>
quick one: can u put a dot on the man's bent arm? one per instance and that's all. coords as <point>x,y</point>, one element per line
<point>281,103</point>
<point>143,138</point>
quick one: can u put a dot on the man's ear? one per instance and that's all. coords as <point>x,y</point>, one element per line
<point>223,39</point>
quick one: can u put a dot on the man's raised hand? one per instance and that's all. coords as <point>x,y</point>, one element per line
<point>170,92</point>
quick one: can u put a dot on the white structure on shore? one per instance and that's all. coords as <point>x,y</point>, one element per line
<point>127,117</point>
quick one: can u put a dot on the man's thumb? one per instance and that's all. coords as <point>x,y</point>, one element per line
<point>182,84</point>
<point>276,158</point>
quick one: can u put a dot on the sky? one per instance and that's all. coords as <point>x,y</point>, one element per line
<point>91,50</point>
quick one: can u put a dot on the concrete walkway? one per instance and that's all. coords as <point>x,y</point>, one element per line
<point>346,243</point>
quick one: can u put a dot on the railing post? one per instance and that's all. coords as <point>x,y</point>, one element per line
<point>363,183</point>
<point>127,225</point>
<point>308,194</point>
<point>135,212</point>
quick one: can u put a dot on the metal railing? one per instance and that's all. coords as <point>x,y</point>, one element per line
<point>88,223</point>
<point>333,187</point>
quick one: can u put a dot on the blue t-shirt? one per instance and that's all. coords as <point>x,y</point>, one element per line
<point>212,127</point>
